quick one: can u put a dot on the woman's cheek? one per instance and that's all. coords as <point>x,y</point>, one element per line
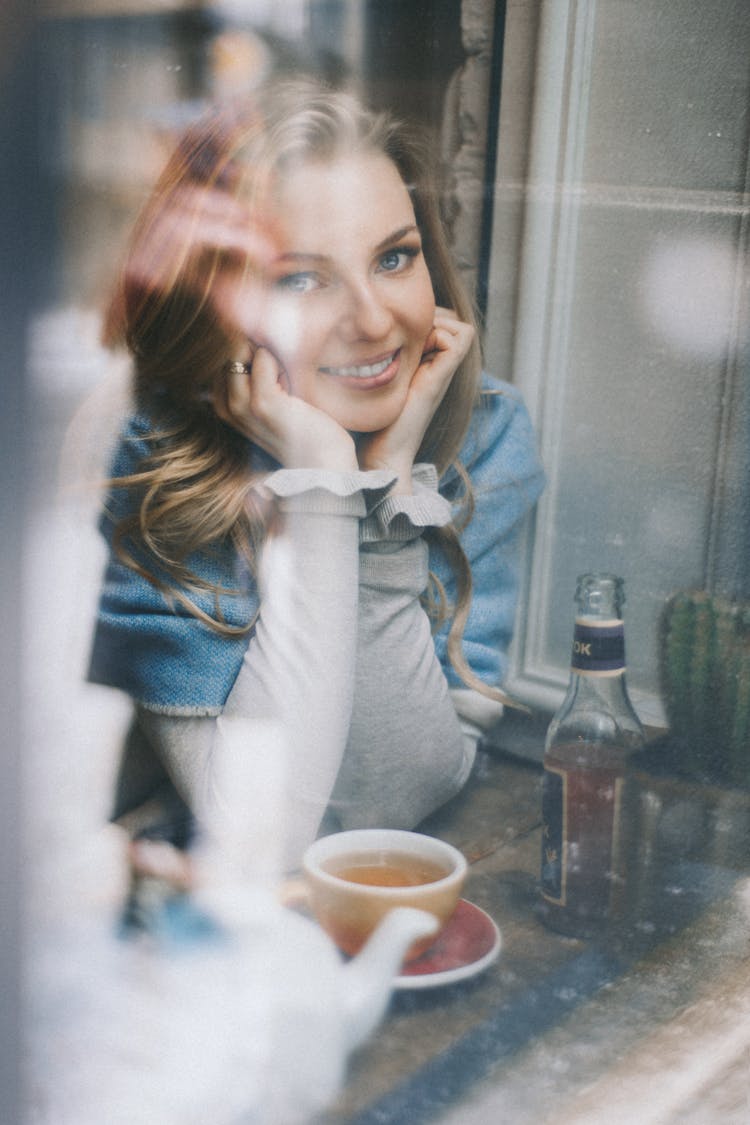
<point>284,329</point>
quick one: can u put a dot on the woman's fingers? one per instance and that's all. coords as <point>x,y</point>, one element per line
<point>446,346</point>
<point>254,400</point>
<point>244,398</point>
<point>450,338</point>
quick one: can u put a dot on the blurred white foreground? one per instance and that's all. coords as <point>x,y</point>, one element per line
<point>252,1025</point>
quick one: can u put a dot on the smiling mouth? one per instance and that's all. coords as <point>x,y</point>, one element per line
<point>364,370</point>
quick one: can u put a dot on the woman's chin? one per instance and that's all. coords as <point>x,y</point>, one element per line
<point>365,411</point>
<point>374,428</point>
<point>365,417</point>
<point>372,419</point>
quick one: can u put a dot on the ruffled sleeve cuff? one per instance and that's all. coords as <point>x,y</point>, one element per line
<point>401,517</point>
<point>327,491</point>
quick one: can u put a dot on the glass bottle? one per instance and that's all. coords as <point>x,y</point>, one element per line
<point>586,750</point>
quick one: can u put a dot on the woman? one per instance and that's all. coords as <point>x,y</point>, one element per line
<point>312,472</point>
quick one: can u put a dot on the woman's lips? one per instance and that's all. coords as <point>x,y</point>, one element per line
<point>374,373</point>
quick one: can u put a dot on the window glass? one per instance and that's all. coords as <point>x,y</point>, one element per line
<point>628,313</point>
<point>595,165</point>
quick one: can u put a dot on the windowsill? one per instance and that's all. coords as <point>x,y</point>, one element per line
<point>522,736</point>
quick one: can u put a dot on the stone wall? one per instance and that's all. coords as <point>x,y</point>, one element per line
<point>464,146</point>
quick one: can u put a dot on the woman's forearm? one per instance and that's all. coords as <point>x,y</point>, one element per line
<point>298,671</point>
<point>293,694</point>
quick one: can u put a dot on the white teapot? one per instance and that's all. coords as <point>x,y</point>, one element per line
<point>246,1016</point>
<point>252,1022</point>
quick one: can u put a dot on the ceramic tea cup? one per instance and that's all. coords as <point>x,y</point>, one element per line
<point>355,878</point>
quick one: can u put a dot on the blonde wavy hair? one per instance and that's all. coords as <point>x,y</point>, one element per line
<point>196,488</point>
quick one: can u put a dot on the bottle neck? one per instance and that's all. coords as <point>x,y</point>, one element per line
<point>598,647</point>
<point>597,711</point>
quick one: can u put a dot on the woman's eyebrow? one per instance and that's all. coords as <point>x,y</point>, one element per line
<point>301,256</point>
<point>309,256</point>
<point>396,236</point>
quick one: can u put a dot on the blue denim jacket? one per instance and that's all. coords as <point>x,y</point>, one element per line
<point>150,646</point>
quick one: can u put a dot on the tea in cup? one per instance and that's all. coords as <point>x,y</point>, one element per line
<point>355,878</point>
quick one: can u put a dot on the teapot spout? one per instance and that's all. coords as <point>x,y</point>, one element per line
<point>369,976</point>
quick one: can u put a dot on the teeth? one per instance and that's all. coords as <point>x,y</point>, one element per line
<point>366,371</point>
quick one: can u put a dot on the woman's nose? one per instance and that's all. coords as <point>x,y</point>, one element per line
<point>367,315</point>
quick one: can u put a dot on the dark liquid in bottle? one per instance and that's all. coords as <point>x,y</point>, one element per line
<point>581,813</point>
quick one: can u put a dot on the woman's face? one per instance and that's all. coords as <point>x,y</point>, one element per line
<point>352,298</point>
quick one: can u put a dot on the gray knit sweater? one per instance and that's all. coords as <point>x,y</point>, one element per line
<point>341,667</point>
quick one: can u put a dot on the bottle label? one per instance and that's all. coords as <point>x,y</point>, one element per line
<point>581,813</point>
<point>598,648</point>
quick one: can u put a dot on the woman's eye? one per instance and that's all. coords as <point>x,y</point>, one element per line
<point>397,259</point>
<point>299,282</point>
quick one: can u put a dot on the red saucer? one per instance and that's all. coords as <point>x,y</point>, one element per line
<point>466,946</point>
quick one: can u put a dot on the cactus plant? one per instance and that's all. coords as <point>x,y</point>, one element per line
<point>705,673</point>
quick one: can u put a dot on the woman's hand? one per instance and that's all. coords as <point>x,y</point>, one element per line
<point>258,404</point>
<point>396,447</point>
